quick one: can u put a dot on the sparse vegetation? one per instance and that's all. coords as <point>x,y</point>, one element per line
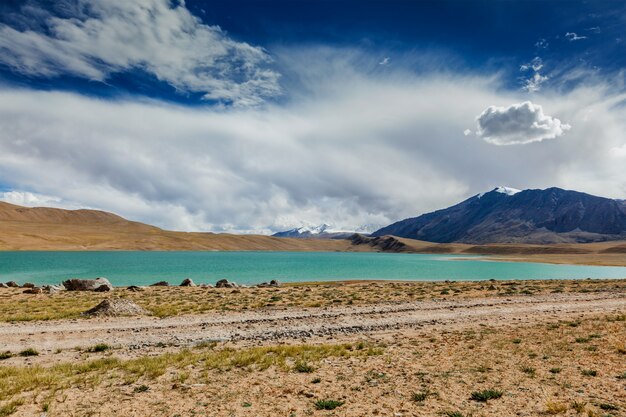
<point>100,347</point>
<point>328,404</point>
<point>553,407</point>
<point>29,352</point>
<point>589,372</point>
<point>420,396</point>
<point>5,355</point>
<point>486,395</point>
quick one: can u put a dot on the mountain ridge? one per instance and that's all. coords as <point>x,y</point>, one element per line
<point>534,216</point>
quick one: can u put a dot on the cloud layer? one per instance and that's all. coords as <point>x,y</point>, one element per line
<point>518,124</point>
<point>93,39</point>
<point>357,146</point>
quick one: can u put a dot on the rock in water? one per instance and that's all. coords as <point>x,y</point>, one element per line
<point>116,307</point>
<point>187,282</point>
<point>224,283</point>
<point>98,284</point>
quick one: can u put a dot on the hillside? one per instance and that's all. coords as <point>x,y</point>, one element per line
<point>504,215</point>
<point>23,228</point>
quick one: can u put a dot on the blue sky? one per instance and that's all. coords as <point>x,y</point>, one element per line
<point>257,116</point>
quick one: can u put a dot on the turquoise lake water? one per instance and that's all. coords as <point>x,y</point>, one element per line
<point>142,268</point>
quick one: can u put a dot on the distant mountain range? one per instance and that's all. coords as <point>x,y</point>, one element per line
<point>507,215</point>
<point>323,231</point>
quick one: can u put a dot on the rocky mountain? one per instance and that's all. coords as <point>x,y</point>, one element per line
<point>323,231</point>
<point>507,215</point>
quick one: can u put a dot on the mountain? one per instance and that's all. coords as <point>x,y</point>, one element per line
<point>322,231</point>
<point>42,228</point>
<point>507,215</point>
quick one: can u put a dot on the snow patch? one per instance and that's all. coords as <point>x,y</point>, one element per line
<point>502,190</point>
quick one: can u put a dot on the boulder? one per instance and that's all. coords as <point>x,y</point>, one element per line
<point>272,283</point>
<point>28,285</point>
<point>98,284</point>
<point>12,284</point>
<point>3,285</point>
<point>134,288</point>
<point>53,289</point>
<point>187,282</point>
<point>224,283</point>
<point>33,290</point>
<point>116,307</point>
<point>160,284</point>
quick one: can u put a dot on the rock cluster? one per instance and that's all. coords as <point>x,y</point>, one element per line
<point>98,285</point>
<point>272,283</point>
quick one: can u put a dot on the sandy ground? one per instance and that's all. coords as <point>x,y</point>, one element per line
<point>547,354</point>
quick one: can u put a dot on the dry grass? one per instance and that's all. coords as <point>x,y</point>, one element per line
<point>447,370</point>
<point>173,301</point>
<point>16,381</point>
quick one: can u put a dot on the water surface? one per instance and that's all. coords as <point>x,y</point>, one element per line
<point>142,268</point>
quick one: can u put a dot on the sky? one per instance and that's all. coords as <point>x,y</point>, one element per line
<point>259,116</point>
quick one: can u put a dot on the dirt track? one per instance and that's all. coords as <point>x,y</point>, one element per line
<point>138,334</point>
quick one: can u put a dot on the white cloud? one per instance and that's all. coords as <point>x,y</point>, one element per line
<point>164,39</point>
<point>28,199</point>
<point>535,81</point>
<point>518,124</point>
<point>354,146</point>
<point>572,36</point>
<point>385,61</point>
<point>542,44</point>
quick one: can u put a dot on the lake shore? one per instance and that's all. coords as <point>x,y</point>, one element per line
<point>378,348</point>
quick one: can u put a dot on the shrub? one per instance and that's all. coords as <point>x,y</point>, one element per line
<point>555,370</point>
<point>303,367</point>
<point>29,352</point>
<point>100,347</point>
<point>486,395</point>
<point>141,388</point>
<point>589,372</point>
<point>420,396</point>
<point>328,404</point>
<point>5,355</point>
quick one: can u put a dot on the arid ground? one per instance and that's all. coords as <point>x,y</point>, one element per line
<point>525,348</point>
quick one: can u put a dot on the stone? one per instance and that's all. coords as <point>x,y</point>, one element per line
<point>135,288</point>
<point>224,283</point>
<point>28,285</point>
<point>98,284</point>
<point>187,282</point>
<point>33,290</point>
<point>53,289</point>
<point>160,284</point>
<point>12,284</point>
<point>3,285</point>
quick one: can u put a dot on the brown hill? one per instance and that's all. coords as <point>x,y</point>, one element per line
<point>40,228</point>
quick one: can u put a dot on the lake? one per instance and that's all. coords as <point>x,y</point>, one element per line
<point>143,268</point>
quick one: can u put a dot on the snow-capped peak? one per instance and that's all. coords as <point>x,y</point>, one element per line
<point>503,190</point>
<point>507,190</point>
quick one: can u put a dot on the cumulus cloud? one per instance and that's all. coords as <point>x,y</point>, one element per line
<point>94,39</point>
<point>518,124</point>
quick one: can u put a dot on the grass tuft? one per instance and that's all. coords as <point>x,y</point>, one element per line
<point>486,395</point>
<point>328,404</point>
<point>29,352</point>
